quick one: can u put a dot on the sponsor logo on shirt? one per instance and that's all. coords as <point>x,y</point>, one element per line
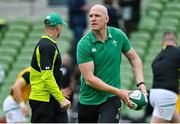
<point>47,67</point>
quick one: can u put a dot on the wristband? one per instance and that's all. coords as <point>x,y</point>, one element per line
<point>22,104</point>
<point>139,84</point>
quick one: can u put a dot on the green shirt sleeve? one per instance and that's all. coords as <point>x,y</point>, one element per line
<point>83,52</point>
<point>126,46</point>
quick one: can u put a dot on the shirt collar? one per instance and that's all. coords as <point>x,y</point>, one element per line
<point>93,37</point>
<point>48,37</point>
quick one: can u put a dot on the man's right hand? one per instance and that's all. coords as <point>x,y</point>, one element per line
<point>65,103</point>
<point>124,96</point>
<point>66,92</point>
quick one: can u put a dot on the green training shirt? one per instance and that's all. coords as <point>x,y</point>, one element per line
<point>106,57</point>
<point>45,73</point>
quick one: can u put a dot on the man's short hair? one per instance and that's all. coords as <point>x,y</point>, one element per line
<point>169,36</point>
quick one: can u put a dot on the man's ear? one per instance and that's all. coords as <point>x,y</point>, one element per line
<point>59,27</point>
<point>107,19</point>
<point>162,43</point>
<point>176,43</point>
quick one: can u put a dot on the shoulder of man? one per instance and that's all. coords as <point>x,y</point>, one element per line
<point>86,39</point>
<point>25,70</point>
<point>116,31</point>
<point>46,43</point>
<point>177,50</point>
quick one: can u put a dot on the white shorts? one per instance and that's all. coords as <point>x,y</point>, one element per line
<point>13,111</point>
<point>164,103</point>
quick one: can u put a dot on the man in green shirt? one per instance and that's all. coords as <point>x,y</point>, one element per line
<point>99,58</point>
<point>46,99</point>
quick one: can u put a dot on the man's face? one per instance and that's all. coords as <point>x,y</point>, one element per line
<point>97,18</point>
<point>169,39</point>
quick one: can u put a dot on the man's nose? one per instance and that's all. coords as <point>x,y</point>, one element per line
<point>93,17</point>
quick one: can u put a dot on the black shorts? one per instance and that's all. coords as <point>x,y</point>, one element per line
<point>47,112</point>
<point>107,112</point>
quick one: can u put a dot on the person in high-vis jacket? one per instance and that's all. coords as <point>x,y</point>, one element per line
<point>46,99</point>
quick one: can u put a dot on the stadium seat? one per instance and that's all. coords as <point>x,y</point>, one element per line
<point>0,36</point>
<point>169,21</point>
<point>153,50</point>
<point>15,35</point>
<point>18,28</point>
<point>156,6</point>
<point>6,59</point>
<point>139,45</point>
<point>21,21</point>
<point>147,24</point>
<point>140,35</point>
<point>32,41</point>
<point>26,51</point>
<point>5,91</point>
<point>171,14</point>
<point>174,6</point>
<point>38,25</point>
<point>153,14</point>
<point>19,65</point>
<point>156,42</point>
<point>11,44</point>
<point>164,2</point>
<point>6,67</point>
<point>7,52</point>
<point>35,35</point>
<point>164,28</point>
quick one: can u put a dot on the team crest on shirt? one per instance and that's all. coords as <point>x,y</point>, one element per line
<point>114,42</point>
<point>93,50</point>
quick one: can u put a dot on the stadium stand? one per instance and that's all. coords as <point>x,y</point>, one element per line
<point>18,41</point>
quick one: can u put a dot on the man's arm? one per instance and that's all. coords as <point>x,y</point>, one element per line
<point>87,71</point>
<point>136,65</point>
<point>48,55</point>
<point>17,89</point>
<point>17,93</point>
<point>53,88</point>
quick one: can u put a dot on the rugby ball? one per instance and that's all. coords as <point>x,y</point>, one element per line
<point>138,99</point>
